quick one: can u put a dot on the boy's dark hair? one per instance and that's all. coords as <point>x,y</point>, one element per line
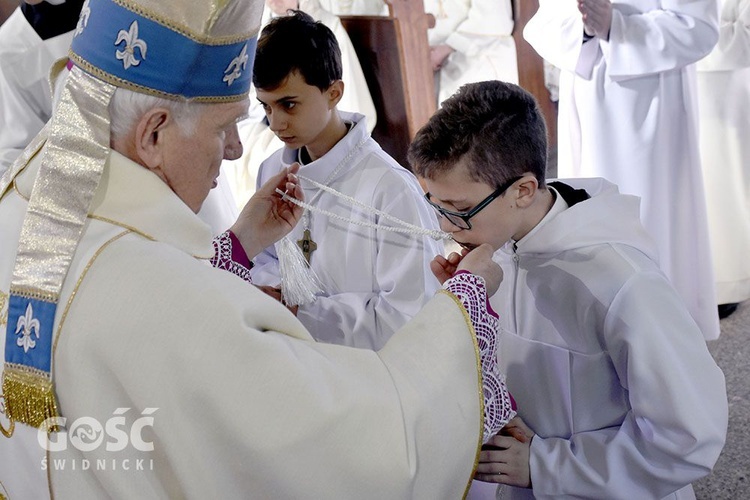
<point>495,127</point>
<point>296,43</point>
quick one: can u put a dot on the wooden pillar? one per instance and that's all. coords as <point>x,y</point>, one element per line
<point>419,83</point>
<point>531,67</point>
<point>395,57</point>
<point>6,8</point>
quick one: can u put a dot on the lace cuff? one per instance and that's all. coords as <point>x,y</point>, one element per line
<point>230,256</point>
<point>499,407</point>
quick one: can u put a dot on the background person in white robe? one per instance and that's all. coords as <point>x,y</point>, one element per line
<point>724,98</point>
<point>26,57</point>
<point>628,113</point>
<point>373,280</point>
<point>26,100</point>
<point>614,383</point>
<point>237,392</point>
<point>259,141</point>
<point>471,42</point>
<point>356,7</point>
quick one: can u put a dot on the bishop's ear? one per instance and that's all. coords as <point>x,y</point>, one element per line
<point>150,136</point>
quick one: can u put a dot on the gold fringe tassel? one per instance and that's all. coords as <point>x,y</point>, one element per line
<point>28,394</point>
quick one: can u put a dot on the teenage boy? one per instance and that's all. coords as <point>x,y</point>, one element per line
<point>373,280</point>
<point>612,377</point>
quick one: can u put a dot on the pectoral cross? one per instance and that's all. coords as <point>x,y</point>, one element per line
<point>307,245</point>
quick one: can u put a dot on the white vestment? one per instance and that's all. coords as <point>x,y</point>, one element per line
<point>356,7</point>
<point>26,104</point>
<point>247,404</point>
<point>480,33</point>
<point>25,88</point>
<point>724,98</point>
<point>603,359</point>
<point>260,142</point>
<point>373,280</point>
<point>628,113</point>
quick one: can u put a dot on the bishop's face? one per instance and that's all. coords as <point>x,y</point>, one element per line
<point>191,162</point>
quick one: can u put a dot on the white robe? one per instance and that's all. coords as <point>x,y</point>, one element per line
<point>603,359</point>
<point>249,406</point>
<point>724,98</point>
<point>25,88</point>
<point>260,142</point>
<point>374,280</point>
<point>480,33</point>
<point>628,113</point>
<point>356,7</point>
<point>26,104</point>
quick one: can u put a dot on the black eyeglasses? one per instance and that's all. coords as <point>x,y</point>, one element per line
<point>461,219</point>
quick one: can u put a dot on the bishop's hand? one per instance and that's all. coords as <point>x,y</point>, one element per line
<point>267,217</point>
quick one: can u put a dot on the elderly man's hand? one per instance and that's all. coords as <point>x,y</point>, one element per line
<point>267,216</point>
<point>597,17</point>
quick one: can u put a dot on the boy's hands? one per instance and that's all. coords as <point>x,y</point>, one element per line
<point>477,261</point>
<point>445,267</point>
<point>505,457</point>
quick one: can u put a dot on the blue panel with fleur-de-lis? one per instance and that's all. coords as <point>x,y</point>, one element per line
<point>144,52</point>
<point>28,340</point>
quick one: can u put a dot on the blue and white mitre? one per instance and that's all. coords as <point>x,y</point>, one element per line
<point>176,49</point>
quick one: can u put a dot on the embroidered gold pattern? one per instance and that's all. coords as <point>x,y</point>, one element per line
<point>11,424</point>
<point>3,309</point>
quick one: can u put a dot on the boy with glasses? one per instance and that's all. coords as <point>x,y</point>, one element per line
<point>614,383</point>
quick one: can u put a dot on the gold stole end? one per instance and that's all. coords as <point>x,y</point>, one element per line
<point>29,397</point>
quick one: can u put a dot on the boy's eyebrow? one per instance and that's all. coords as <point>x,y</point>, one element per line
<point>280,99</point>
<point>448,201</point>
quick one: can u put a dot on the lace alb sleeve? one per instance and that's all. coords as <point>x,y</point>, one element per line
<point>230,256</point>
<point>499,407</point>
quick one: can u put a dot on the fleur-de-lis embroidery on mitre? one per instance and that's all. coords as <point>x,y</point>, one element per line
<point>236,67</point>
<point>132,42</point>
<point>27,326</point>
<point>83,20</point>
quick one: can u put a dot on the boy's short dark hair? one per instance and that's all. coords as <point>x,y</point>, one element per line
<point>296,43</point>
<point>496,127</point>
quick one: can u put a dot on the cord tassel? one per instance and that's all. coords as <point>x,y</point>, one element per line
<point>299,283</point>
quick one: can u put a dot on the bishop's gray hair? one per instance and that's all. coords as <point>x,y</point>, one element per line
<point>127,107</point>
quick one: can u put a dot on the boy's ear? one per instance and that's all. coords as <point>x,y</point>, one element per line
<point>527,188</point>
<point>149,137</point>
<point>335,92</point>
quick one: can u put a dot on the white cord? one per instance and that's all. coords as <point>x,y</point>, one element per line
<point>406,228</point>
